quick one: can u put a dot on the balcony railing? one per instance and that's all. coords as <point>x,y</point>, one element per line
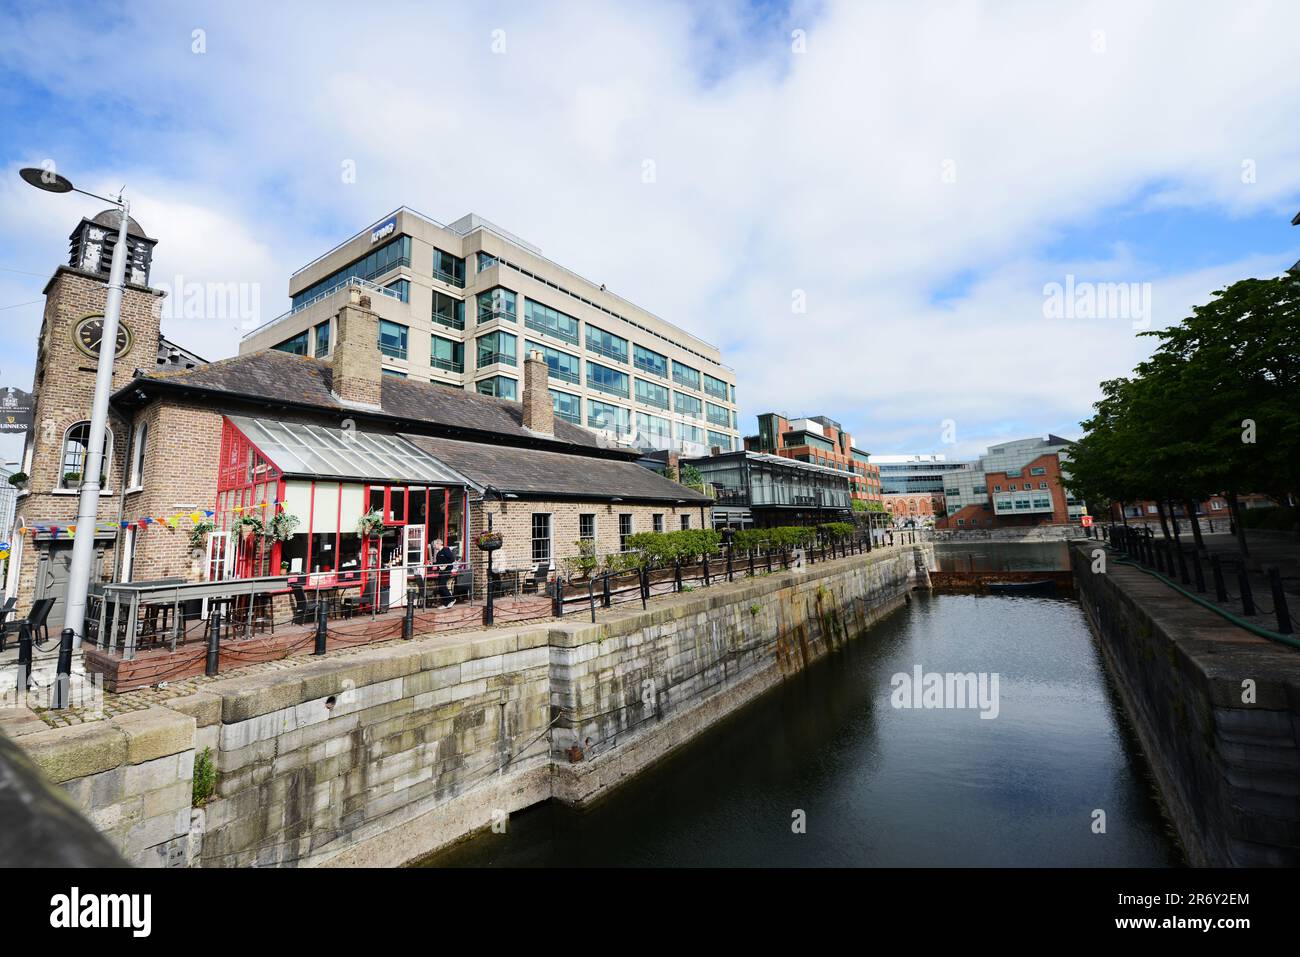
<point>354,281</point>
<point>447,364</point>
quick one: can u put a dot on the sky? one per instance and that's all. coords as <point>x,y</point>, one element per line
<point>873,209</point>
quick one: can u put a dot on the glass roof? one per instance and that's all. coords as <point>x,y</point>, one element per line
<point>323,452</point>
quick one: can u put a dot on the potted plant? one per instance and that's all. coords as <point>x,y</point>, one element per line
<point>246,526</point>
<point>199,536</point>
<point>371,523</point>
<point>282,526</point>
<point>18,480</point>
<point>488,541</point>
<point>71,478</point>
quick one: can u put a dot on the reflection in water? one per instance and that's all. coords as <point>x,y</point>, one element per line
<point>880,785</point>
<point>1001,556</point>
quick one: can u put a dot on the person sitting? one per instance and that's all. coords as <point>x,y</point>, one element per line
<point>443,561</point>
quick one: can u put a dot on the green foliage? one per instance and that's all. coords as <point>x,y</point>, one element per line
<point>663,548</point>
<point>1283,518</point>
<point>200,533</point>
<point>281,526</point>
<point>205,777</point>
<point>690,475</point>
<point>837,530</point>
<point>247,524</point>
<point>371,523</point>
<point>585,562</point>
<point>18,479</point>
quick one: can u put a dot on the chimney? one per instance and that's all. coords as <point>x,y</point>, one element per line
<point>538,413</point>
<point>357,373</point>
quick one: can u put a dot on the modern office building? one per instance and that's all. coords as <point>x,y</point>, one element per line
<point>461,305</point>
<point>753,489</point>
<point>912,485</point>
<point>818,440</point>
<point>1014,483</point>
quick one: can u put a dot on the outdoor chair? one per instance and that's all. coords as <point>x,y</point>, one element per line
<point>304,611</point>
<point>8,608</point>
<point>36,620</point>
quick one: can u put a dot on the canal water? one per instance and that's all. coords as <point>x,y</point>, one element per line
<point>878,785</point>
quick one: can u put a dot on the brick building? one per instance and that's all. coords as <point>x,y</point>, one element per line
<point>1013,484</point>
<point>820,441</point>
<point>202,453</point>
<point>918,508</point>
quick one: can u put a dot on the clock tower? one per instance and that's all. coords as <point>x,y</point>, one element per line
<point>67,352</point>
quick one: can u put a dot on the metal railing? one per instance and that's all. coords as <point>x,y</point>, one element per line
<point>354,281</point>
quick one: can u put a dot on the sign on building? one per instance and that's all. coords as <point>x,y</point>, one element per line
<point>17,411</point>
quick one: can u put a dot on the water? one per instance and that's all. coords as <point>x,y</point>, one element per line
<point>882,786</point>
<point>1001,556</point>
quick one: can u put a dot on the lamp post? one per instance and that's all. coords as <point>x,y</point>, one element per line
<point>83,544</point>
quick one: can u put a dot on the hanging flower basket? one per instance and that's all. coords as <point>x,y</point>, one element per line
<point>248,526</point>
<point>282,526</point>
<point>372,523</point>
<point>488,541</point>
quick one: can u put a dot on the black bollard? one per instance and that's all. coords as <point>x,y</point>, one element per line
<point>677,573</point>
<point>557,597</point>
<point>605,599</point>
<point>214,643</point>
<point>322,626</point>
<point>751,563</point>
<point>63,674</point>
<point>705,567</point>
<point>643,583</point>
<point>1279,601</point>
<point>408,620</point>
<point>24,657</point>
<point>730,567</point>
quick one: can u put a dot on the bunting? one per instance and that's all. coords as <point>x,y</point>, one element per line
<point>167,521</point>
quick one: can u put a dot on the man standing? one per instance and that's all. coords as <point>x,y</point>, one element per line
<point>444,560</point>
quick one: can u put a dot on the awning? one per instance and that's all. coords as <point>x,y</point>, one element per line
<point>322,452</point>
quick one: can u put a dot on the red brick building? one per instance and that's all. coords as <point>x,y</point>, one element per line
<point>821,441</point>
<point>918,507</point>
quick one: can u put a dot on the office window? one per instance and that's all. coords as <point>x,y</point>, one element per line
<point>685,375</point>
<point>403,289</point>
<point>686,522</point>
<point>503,387</point>
<point>690,433</point>
<point>688,405</point>
<point>720,439</point>
<point>497,347</point>
<point>651,394</point>
<point>624,530</point>
<point>322,339</point>
<point>587,527</point>
<point>717,415</point>
<point>392,339</point>
<point>448,310</point>
<point>296,346</point>
<point>715,387</point>
<point>567,407</point>
<point>485,261</point>
<point>396,252</point>
<point>606,344</point>
<point>652,426</point>
<point>560,365</point>
<point>550,321</point>
<point>601,415</point>
<point>1038,470</point>
<point>450,269</point>
<point>496,303</point>
<point>394,373</point>
<point>447,354</point>
<point>606,379</point>
<point>647,360</point>
<point>658,521</point>
<point>542,537</point>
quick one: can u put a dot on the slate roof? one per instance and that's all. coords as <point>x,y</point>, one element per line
<point>279,377</point>
<point>543,473</point>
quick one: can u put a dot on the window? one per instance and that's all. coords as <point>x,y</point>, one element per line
<point>296,346</point>
<point>542,537</point>
<point>650,361</point>
<point>496,303</point>
<point>997,488</point>
<point>653,426</point>
<point>717,414</point>
<point>497,347</point>
<point>450,269</point>
<point>1038,470</point>
<point>602,415</point>
<point>560,365</point>
<point>688,405</point>
<point>715,387</point>
<point>323,339</point>
<point>138,450</point>
<point>587,527</point>
<point>658,521</point>
<point>1042,485</point>
<point>685,375</point>
<point>606,379</point>
<point>485,261</point>
<point>651,394</point>
<point>690,433</point>
<point>403,289</point>
<point>567,407</point>
<point>500,386</point>
<point>550,321</point>
<point>392,339</point>
<point>448,310</point>
<point>720,439</point>
<point>394,373</point>
<point>624,530</point>
<point>447,354</point>
<point>75,443</point>
<point>686,522</point>
<point>606,344</point>
<point>389,256</point>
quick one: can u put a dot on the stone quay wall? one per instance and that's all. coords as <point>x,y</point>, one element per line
<point>385,754</point>
<point>1217,710</point>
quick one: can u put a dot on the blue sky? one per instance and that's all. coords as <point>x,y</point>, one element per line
<point>915,173</point>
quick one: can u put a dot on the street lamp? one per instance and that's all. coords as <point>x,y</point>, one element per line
<point>83,545</point>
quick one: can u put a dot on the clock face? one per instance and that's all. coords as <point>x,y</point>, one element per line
<point>88,334</point>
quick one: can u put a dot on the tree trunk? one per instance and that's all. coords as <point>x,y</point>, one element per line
<point>1123,513</point>
<point>1173,518</point>
<point>1164,521</point>
<point>1196,524</point>
<point>1236,524</point>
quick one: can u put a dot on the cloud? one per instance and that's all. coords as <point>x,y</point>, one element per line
<point>907,147</point>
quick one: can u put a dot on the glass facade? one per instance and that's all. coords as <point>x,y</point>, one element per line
<point>450,269</point>
<point>720,439</point>
<point>606,379</point>
<point>393,339</point>
<point>297,345</point>
<point>715,387</point>
<point>496,303</point>
<point>403,289</point>
<point>602,415</point>
<point>497,347</point>
<point>606,344</point>
<point>550,321</point>
<point>322,339</point>
<point>652,426</point>
<point>685,375</point>
<point>651,394</point>
<point>717,415</point>
<point>500,386</point>
<point>647,360</point>
<point>690,433</point>
<point>447,354</point>
<point>688,405</point>
<point>566,406</point>
<point>390,255</point>
<point>448,310</point>
<point>561,365</point>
